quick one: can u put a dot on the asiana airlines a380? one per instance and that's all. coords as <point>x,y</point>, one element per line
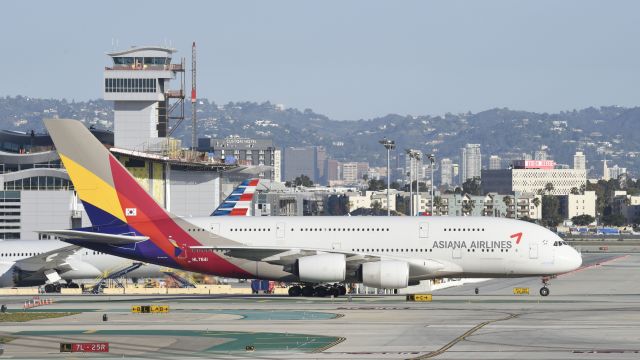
<point>318,253</point>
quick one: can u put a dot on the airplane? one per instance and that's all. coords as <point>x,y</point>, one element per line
<point>238,202</point>
<point>379,252</point>
<point>56,264</point>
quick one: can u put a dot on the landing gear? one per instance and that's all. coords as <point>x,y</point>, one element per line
<point>544,290</point>
<point>318,291</point>
<point>308,291</point>
<point>295,291</point>
<point>53,288</point>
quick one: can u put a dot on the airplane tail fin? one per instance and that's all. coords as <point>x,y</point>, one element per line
<point>116,204</point>
<point>238,202</point>
<point>110,195</point>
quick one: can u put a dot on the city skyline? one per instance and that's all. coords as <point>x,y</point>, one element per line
<point>419,58</point>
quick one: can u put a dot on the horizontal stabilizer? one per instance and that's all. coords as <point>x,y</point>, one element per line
<point>94,237</point>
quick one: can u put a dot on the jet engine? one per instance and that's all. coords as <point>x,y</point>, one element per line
<point>385,274</point>
<point>7,275</point>
<point>322,268</point>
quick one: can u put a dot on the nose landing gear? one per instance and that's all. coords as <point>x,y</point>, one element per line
<point>544,290</point>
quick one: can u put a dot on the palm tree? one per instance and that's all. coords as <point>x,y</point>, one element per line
<point>536,203</point>
<point>437,205</point>
<point>468,206</point>
<point>549,188</point>
<point>507,200</point>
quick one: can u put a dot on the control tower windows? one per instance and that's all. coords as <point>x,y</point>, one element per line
<point>113,85</point>
<point>136,62</point>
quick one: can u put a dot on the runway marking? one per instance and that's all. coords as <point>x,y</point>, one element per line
<point>90,332</point>
<point>469,332</point>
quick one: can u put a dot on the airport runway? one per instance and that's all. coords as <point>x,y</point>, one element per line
<point>593,313</point>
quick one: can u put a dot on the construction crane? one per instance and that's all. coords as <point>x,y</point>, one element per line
<point>194,145</point>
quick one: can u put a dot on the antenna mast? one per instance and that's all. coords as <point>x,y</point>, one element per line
<point>194,145</point>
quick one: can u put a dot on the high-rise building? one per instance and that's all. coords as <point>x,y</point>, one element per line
<point>615,171</point>
<point>471,162</point>
<point>363,169</point>
<point>455,172</point>
<point>605,171</point>
<point>300,161</point>
<point>495,162</point>
<point>446,172</point>
<point>332,170</point>
<point>321,157</point>
<point>579,161</point>
<point>540,155</point>
<point>350,172</point>
<point>277,165</point>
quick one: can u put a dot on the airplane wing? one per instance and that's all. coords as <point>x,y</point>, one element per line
<point>94,237</point>
<point>288,256</point>
<point>54,259</point>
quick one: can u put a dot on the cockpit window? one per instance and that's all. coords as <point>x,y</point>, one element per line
<point>560,243</point>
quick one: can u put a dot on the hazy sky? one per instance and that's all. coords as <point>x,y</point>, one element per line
<point>346,59</point>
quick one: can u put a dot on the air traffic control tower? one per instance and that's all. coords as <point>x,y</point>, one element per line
<point>138,84</point>
<point>146,111</point>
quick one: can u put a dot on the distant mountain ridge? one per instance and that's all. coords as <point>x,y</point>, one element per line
<point>503,132</point>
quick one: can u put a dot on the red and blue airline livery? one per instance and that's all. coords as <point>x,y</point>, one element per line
<point>380,252</point>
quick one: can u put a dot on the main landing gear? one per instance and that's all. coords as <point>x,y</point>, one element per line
<point>318,291</point>
<point>57,287</point>
<point>544,290</point>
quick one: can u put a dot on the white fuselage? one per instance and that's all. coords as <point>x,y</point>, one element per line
<point>83,264</point>
<point>467,246</point>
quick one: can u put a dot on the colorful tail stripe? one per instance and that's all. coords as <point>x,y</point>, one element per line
<point>239,202</point>
<point>115,202</point>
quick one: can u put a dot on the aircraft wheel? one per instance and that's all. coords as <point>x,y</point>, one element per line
<point>295,291</point>
<point>49,288</point>
<point>307,291</point>
<point>544,291</point>
<point>73,285</point>
<point>334,291</point>
<point>343,290</point>
<point>58,287</point>
<point>321,291</point>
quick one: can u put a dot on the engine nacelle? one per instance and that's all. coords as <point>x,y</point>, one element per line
<point>7,277</point>
<point>386,274</point>
<point>322,268</point>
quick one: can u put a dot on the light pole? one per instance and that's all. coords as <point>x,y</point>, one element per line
<point>389,145</point>
<point>432,159</point>
<point>410,154</point>
<point>418,156</point>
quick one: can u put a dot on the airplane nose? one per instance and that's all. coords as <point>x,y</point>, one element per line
<point>577,258</point>
<point>570,259</point>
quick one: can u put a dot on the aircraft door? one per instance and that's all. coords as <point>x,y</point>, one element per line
<point>214,230</point>
<point>457,253</point>
<point>533,250</point>
<point>424,230</point>
<point>280,231</point>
